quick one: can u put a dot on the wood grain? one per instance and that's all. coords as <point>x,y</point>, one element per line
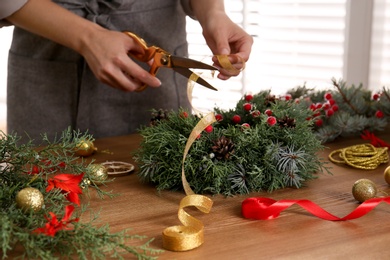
<point>295,234</point>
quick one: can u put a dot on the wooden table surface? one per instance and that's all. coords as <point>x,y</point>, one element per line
<point>295,234</point>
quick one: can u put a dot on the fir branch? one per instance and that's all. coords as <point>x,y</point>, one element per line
<point>346,100</point>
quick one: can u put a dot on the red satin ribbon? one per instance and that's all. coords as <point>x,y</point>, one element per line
<point>266,208</point>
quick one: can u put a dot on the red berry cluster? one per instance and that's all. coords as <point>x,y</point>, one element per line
<point>376,97</point>
<point>328,107</point>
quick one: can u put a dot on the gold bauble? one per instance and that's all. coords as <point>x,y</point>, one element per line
<point>85,148</point>
<point>386,175</point>
<point>97,173</point>
<point>29,199</point>
<point>364,189</point>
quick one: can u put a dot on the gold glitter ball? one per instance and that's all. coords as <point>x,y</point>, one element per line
<point>29,199</point>
<point>386,175</point>
<point>97,173</point>
<point>85,148</point>
<point>364,189</point>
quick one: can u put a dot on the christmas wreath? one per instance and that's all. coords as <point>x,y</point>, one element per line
<point>40,208</point>
<point>264,143</point>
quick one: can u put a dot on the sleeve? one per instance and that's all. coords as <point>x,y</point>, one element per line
<point>8,7</point>
<point>186,5</point>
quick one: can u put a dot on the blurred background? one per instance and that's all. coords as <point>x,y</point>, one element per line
<point>296,42</point>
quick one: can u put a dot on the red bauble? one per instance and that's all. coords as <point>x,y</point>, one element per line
<point>288,97</point>
<point>236,119</point>
<point>268,112</point>
<point>255,113</point>
<point>209,128</point>
<point>246,126</point>
<point>219,117</point>
<point>319,122</point>
<point>247,107</point>
<point>379,114</point>
<point>271,120</point>
<point>248,97</point>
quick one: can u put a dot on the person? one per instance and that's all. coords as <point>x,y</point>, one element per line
<point>65,53</point>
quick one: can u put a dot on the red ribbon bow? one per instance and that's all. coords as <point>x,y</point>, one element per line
<point>266,208</point>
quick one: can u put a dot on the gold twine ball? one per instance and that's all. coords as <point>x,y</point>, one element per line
<point>29,199</point>
<point>386,175</point>
<point>85,148</point>
<point>97,173</point>
<point>364,189</point>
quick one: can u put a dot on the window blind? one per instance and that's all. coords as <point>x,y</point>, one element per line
<point>380,46</point>
<point>295,42</point>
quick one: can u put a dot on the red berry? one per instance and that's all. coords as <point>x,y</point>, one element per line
<point>312,106</point>
<point>319,122</point>
<point>184,115</point>
<point>376,96</point>
<point>328,96</point>
<point>62,165</point>
<point>329,112</point>
<point>236,119</point>
<point>318,105</point>
<point>219,117</point>
<point>288,97</point>
<point>268,112</point>
<point>331,102</point>
<point>335,108</point>
<point>271,120</point>
<point>209,128</point>
<point>247,107</point>
<point>248,97</point>
<point>326,106</point>
<point>245,125</point>
<point>297,101</point>
<point>316,114</point>
<point>256,113</point>
<point>379,114</point>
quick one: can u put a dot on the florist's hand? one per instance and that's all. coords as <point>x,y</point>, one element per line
<point>107,56</point>
<point>225,37</point>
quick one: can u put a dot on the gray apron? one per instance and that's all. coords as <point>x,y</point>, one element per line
<point>50,87</point>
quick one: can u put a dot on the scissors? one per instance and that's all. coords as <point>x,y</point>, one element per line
<point>162,58</point>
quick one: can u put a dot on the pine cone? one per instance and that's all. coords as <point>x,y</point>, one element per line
<point>286,122</point>
<point>269,100</point>
<point>223,148</point>
<point>157,116</point>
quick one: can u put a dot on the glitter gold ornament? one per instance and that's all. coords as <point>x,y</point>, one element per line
<point>85,148</point>
<point>29,199</point>
<point>364,189</point>
<point>97,173</point>
<point>386,175</point>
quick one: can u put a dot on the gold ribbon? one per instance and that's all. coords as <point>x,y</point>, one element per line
<point>362,156</point>
<point>191,234</point>
<point>225,63</point>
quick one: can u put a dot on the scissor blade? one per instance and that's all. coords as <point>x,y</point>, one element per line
<point>187,73</point>
<point>190,63</point>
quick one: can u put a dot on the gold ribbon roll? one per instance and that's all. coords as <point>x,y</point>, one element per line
<point>191,234</point>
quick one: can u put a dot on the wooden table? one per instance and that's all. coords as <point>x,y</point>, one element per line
<point>295,234</point>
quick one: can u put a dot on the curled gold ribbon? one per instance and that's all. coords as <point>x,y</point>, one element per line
<point>227,65</point>
<point>191,234</point>
<point>362,156</point>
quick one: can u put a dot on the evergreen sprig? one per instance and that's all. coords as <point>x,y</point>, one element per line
<point>357,109</point>
<point>262,155</point>
<point>23,164</point>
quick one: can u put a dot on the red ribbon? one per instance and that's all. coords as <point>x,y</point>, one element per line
<point>266,208</point>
